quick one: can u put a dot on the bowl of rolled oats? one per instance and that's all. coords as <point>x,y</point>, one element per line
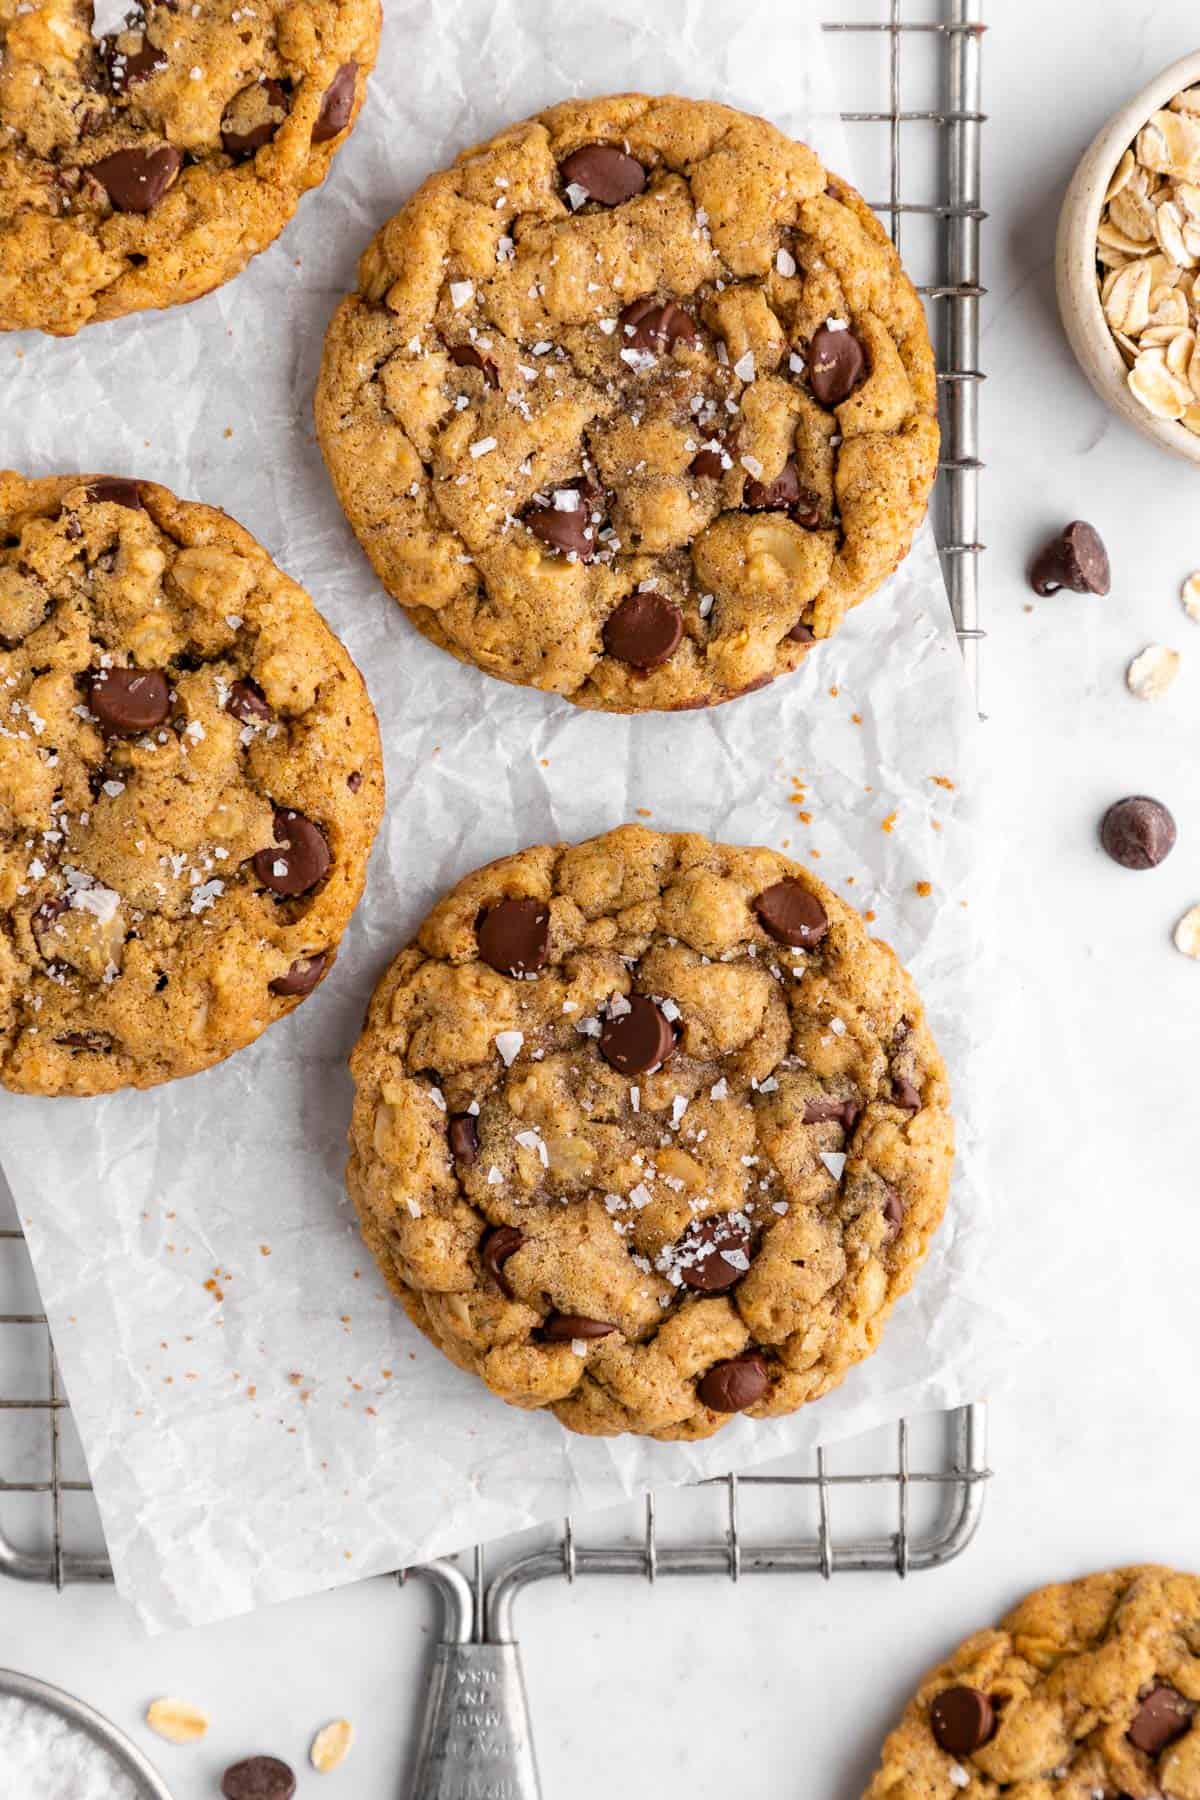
<point>1128,262</point>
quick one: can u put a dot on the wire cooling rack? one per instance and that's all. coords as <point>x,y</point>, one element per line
<point>904,1500</point>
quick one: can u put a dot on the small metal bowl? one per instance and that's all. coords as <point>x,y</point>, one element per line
<point>1078,290</point>
<point>128,1759</point>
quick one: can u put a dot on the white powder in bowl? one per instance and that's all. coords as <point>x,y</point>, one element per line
<point>44,1757</point>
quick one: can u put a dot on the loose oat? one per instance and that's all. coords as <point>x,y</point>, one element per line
<point>1191,596</point>
<point>1148,258</point>
<point>176,1721</point>
<point>1187,933</point>
<point>331,1745</point>
<point>1151,674</point>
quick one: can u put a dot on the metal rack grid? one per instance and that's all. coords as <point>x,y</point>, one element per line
<point>928,1499</point>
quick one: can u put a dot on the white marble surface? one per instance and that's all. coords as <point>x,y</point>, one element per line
<point>786,1687</point>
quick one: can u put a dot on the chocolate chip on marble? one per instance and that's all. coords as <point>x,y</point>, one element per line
<point>700,1255</point>
<point>1138,832</point>
<point>136,180</point>
<point>462,1132</point>
<point>1163,1716</point>
<point>258,1778</point>
<point>115,490</point>
<point>822,1111</point>
<point>247,702</point>
<point>253,117</point>
<point>498,1245</point>
<point>734,1385</point>
<point>604,173</point>
<point>128,702</point>
<point>466,356</point>
<point>837,363</point>
<point>337,105</point>
<point>791,914</point>
<point>563,526</point>
<point>962,1720</point>
<point>1075,559</point>
<point>298,859</point>
<point>564,1328</point>
<point>637,1040</point>
<point>125,68</point>
<point>514,936</point>
<point>655,325</point>
<point>303,976</point>
<point>644,630</point>
<point>785,494</point>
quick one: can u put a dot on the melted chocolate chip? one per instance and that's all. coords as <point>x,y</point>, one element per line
<point>298,859</point>
<point>962,1720</point>
<point>498,1245</point>
<point>644,630</point>
<point>115,490</point>
<point>893,1213</point>
<point>462,1133</point>
<point>802,634</point>
<point>128,702</point>
<point>337,105</point>
<point>825,1111</point>
<point>906,1093</point>
<point>136,180</point>
<point>1163,1716</point>
<point>565,1328</point>
<point>126,68</point>
<point>303,976</point>
<point>1075,559</point>
<point>605,174</point>
<point>837,363</point>
<point>571,529</point>
<point>700,1255</point>
<point>514,936</point>
<point>791,914</point>
<point>247,702</point>
<point>734,1385</point>
<point>656,325</point>
<point>466,356</point>
<point>713,459</point>
<point>785,494</point>
<point>253,117</point>
<point>636,1041</point>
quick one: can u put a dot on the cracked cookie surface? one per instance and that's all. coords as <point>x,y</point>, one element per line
<point>190,784</point>
<point>632,404</point>
<point>1088,1690</point>
<point>149,150</point>
<point>648,1131</point>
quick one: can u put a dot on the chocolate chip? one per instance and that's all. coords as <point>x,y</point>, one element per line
<point>823,1111</point>
<point>638,1040</point>
<point>802,634</point>
<point>466,356</point>
<point>463,1135</point>
<point>655,325</point>
<point>98,1041</point>
<point>785,494</point>
<point>837,363</point>
<point>606,174</point>
<point>644,630</point>
<point>248,703</point>
<point>514,936</point>
<point>571,529</point>
<point>713,459</point>
<point>303,976</point>
<point>1138,832</point>
<point>337,105</point>
<point>563,1328</point>
<point>354,780</point>
<point>125,68</point>
<point>732,1386</point>
<point>129,701</point>
<point>253,117</point>
<point>498,1245</point>
<point>699,1255</point>
<point>136,180</point>
<point>298,859</point>
<point>1075,559</point>
<point>116,491</point>
<point>1163,1716</point>
<point>893,1213</point>
<point>906,1093</point>
<point>791,914</point>
<point>258,1778</point>
<point>962,1720</point>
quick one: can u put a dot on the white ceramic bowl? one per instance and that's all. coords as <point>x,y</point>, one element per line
<point>1078,291</point>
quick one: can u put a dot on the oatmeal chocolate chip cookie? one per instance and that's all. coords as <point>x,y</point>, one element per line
<point>1089,1690</point>
<point>149,148</point>
<point>190,782</point>
<point>632,404</point>
<point>649,1132</point>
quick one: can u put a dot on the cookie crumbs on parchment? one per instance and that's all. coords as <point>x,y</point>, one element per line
<point>889,824</point>
<point>924,888</point>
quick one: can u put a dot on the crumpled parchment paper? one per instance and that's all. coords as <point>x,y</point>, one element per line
<point>259,1419</point>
